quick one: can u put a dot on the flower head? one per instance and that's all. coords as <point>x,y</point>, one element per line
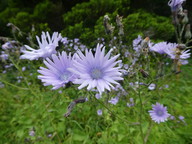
<point>57,73</point>
<point>96,71</point>
<point>47,47</point>
<point>159,113</point>
<point>175,4</point>
<point>171,51</point>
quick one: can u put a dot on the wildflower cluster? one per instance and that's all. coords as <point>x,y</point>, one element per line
<point>113,73</point>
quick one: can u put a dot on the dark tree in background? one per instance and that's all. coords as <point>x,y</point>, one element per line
<point>79,18</point>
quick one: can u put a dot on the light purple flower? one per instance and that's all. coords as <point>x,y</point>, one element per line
<point>114,100</point>
<point>172,117</point>
<point>57,73</point>
<point>161,47</point>
<point>97,96</point>
<point>137,43</point>
<point>175,4</point>
<point>171,51</point>
<point>159,113</point>
<point>7,45</point>
<point>64,40</point>
<point>96,71</point>
<point>166,86</point>
<point>4,56</point>
<point>131,100</point>
<point>183,62</point>
<point>2,85</point>
<point>23,68</point>
<point>152,86</point>
<point>181,118</point>
<point>32,133</point>
<point>99,112</point>
<point>47,47</point>
<point>131,104</point>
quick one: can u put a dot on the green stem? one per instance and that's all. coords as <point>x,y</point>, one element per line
<point>26,81</point>
<point>14,85</point>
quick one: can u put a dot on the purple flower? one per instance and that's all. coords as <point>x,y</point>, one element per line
<point>114,100</point>
<point>175,4</point>
<point>47,47</point>
<point>57,73</point>
<point>96,71</point>
<point>99,112</point>
<point>159,113</point>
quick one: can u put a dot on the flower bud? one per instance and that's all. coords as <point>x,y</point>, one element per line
<point>188,34</point>
<point>185,19</point>
<point>108,27</point>
<point>120,25</point>
<point>144,73</point>
<point>181,46</point>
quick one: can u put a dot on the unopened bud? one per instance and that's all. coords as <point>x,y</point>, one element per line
<point>144,43</point>
<point>108,27</point>
<point>120,25</point>
<point>175,19</point>
<point>178,52</point>
<point>119,20</point>
<point>144,73</point>
<point>185,19</point>
<point>181,46</point>
<point>188,34</point>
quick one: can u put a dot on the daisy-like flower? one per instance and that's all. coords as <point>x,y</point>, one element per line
<point>172,49</point>
<point>96,71</point>
<point>159,113</point>
<point>56,73</point>
<point>47,47</point>
<point>175,4</point>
